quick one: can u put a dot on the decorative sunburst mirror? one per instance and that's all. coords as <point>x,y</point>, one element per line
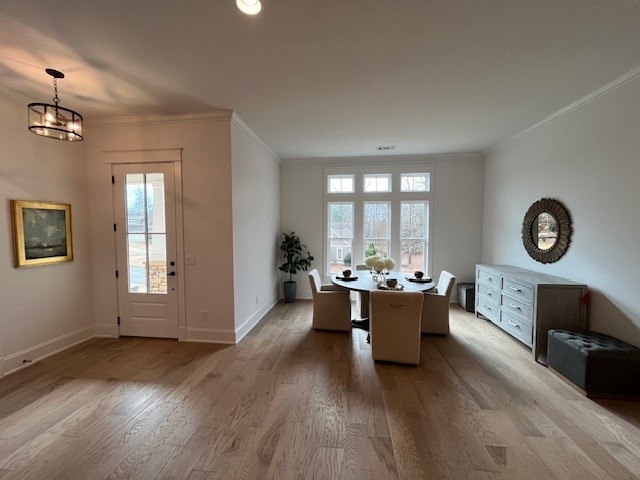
<point>546,230</point>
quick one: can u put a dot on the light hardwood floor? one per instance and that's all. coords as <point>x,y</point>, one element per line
<point>292,403</point>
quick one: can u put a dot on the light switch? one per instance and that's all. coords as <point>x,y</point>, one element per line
<point>191,259</point>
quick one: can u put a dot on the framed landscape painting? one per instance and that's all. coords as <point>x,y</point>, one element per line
<point>41,232</point>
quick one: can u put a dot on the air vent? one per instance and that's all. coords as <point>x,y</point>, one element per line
<point>386,147</point>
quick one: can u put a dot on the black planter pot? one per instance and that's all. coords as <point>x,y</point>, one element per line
<point>290,291</point>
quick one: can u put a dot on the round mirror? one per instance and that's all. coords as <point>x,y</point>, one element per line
<point>546,230</point>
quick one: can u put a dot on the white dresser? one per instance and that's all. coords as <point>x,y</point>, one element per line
<point>527,304</point>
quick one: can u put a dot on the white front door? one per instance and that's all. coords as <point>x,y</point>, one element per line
<point>145,216</point>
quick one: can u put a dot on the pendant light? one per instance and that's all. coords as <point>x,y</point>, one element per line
<point>250,7</point>
<point>54,121</point>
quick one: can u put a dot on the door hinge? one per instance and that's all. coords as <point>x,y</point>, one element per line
<point>117,274</point>
<point>115,228</point>
<point>113,179</point>
<point>118,320</point>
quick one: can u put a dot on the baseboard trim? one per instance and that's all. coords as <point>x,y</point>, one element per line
<point>34,354</point>
<point>106,330</point>
<point>211,335</point>
<point>254,319</point>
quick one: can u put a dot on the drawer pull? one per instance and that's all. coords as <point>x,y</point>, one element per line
<point>516,289</point>
<point>513,323</point>
<point>488,308</point>
<point>514,306</point>
<point>490,279</point>
<point>489,294</point>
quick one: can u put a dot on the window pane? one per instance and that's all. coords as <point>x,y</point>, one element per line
<point>413,234</point>
<point>137,249</point>
<point>157,245</point>
<point>340,184</point>
<point>412,220</point>
<point>155,202</point>
<point>340,236</point>
<point>414,182</point>
<point>341,220</point>
<point>377,219</point>
<point>412,255</point>
<point>377,183</point>
<point>136,218</point>
<point>339,254</point>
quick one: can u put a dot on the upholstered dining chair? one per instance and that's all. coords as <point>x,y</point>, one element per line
<point>395,326</point>
<point>435,309</point>
<point>331,305</point>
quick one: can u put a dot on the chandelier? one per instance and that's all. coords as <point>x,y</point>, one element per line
<point>54,121</point>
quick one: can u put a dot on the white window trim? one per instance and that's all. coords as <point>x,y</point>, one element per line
<point>395,197</point>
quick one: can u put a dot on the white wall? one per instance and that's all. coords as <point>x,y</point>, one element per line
<point>207,211</point>
<point>457,207</point>
<point>45,308</point>
<point>587,159</point>
<point>256,224</point>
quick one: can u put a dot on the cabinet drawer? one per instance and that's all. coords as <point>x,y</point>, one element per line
<point>492,280</point>
<point>516,327</point>
<point>516,307</point>
<point>490,293</point>
<point>488,308</point>
<point>524,293</point>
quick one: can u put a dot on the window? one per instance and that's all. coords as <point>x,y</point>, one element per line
<point>340,183</point>
<point>378,210</point>
<point>414,182</point>
<point>377,183</point>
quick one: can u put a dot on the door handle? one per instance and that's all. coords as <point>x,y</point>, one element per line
<point>172,274</point>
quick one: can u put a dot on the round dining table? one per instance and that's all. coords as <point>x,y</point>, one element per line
<point>363,283</point>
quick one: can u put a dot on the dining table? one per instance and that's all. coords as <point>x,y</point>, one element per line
<point>363,282</point>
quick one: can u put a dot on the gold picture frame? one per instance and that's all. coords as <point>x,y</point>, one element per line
<point>41,233</point>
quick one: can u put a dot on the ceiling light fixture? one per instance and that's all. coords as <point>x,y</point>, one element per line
<point>250,7</point>
<point>54,121</point>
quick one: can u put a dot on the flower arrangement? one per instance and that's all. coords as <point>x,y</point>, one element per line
<point>378,263</point>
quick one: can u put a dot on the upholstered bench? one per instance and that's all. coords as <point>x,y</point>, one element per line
<point>598,364</point>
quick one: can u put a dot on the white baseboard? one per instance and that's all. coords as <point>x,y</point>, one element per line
<point>254,319</point>
<point>106,330</point>
<point>211,335</point>
<point>31,355</point>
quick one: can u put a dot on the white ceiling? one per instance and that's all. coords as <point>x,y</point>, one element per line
<point>325,77</point>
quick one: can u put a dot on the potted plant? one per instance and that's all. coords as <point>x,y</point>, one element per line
<point>297,257</point>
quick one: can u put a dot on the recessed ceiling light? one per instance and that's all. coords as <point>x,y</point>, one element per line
<point>250,7</point>
<point>386,147</point>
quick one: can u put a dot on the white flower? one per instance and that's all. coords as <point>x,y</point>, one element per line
<point>369,261</point>
<point>389,263</point>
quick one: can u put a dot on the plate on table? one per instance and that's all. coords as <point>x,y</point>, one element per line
<point>347,279</point>
<point>419,280</point>
<point>382,286</point>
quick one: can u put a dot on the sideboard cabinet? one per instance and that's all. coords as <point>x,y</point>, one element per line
<point>527,304</point>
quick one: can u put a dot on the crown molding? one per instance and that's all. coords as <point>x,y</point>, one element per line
<point>235,119</point>
<point>593,96</point>
<point>134,120</point>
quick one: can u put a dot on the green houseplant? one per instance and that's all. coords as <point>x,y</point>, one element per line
<point>297,258</point>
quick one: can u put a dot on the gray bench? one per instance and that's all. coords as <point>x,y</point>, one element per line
<point>598,364</point>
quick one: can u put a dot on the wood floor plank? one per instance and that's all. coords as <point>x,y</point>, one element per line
<point>289,402</point>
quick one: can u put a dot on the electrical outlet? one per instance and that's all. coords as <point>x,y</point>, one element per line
<point>205,315</point>
<point>191,260</point>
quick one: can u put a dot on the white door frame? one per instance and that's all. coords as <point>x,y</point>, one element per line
<point>163,155</point>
